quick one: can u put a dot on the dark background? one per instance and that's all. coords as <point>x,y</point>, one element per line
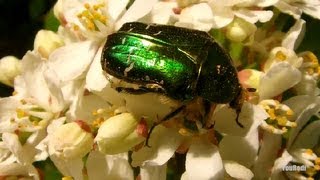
<point>19,22</point>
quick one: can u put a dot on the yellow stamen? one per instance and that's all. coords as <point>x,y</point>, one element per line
<point>21,113</point>
<point>309,152</point>
<point>76,27</point>
<point>14,93</point>
<point>87,5</point>
<point>23,101</point>
<point>317,161</point>
<point>185,132</point>
<point>90,25</point>
<point>281,56</point>
<point>97,122</point>
<point>289,112</point>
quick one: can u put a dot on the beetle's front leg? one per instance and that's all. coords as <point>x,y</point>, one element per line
<point>166,118</point>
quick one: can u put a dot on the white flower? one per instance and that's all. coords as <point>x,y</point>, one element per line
<point>120,133</point>
<point>71,140</point>
<point>296,7</point>
<point>46,42</point>
<point>10,67</point>
<point>95,20</point>
<point>310,75</point>
<point>101,166</point>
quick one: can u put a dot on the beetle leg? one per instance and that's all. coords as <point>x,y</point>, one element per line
<point>167,117</point>
<point>236,104</point>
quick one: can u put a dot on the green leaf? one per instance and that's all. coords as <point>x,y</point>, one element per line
<point>48,170</point>
<point>51,22</point>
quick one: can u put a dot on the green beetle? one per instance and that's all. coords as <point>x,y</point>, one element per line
<point>181,63</point>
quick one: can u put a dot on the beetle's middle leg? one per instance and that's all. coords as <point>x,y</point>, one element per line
<point>166,118</point>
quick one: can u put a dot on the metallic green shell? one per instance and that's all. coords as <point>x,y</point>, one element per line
<point>173,58</point>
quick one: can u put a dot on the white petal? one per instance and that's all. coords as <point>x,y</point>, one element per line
<point>254,16</point>
<point>153,172</point>
<point>279,164</point>
<point>308,138</point>
<point>162,13</point>
<point>14,145</point>
<point>237,171</point>
<point>268,153</point>
<point>116,8</point>
<point>163,142</point>
<point>312,9</point>
<point>84,108</point>
<point>38,86</point>
<point>302,119</point>
<point>203,161</point>
<point>136,11</point>
<point>266,3</point>
<point>16,169</point>
<point>287,8</point>
<point>198,16</point>
<point>95,80</point>
<point>96,165</point>
<point>299,103</point>
<point>251,117</point>
<point>295,35</point>
<point>70,167</point>
<point>71,61</point>
<point>238,149</point>
<point>222,16</point>
<point>119,167</point>
<point>280,77</point>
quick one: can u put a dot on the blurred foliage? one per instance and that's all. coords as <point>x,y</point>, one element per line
<point>20,20</point>
<point>48,170</point>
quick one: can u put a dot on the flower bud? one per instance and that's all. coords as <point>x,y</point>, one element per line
<point>120,133</point>
<point>239,30</point>
<point>71,140</point>
<point>46,42</point>
<point>10,67</point>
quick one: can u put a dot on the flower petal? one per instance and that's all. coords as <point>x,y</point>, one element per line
<point>283,75</point>
<point>97,166</point>
<point>302,119</point>
<point>198,16</point>
<point>136,11</point>
<point>237,171</point>
<point>70,167</point>
<point>119,167</point>
<point>116,8</point>
<point>251,117</point>
<point>308,137</point>
<point>287,8</point>
<point>295,35</point>
<point>163,142</point>
<point>153,172</point>
<point>71,61</point>
<point>239,149</point>
<point>203,161</point>
<point>279,164</point>
<point>254,16</point>
<point>268,153</point>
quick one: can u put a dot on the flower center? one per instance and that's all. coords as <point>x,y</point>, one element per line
<point>30,113</point>
<point>93,17</point>
<point>310,160</point>
<point>310,64</point>
<point>279,115</point>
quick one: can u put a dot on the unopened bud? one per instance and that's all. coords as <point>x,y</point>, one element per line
<point>120,133</point>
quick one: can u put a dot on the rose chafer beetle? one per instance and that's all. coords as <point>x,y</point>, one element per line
<point>180,63</point>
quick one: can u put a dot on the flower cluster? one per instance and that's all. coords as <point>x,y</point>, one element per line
<point>66,109</point>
